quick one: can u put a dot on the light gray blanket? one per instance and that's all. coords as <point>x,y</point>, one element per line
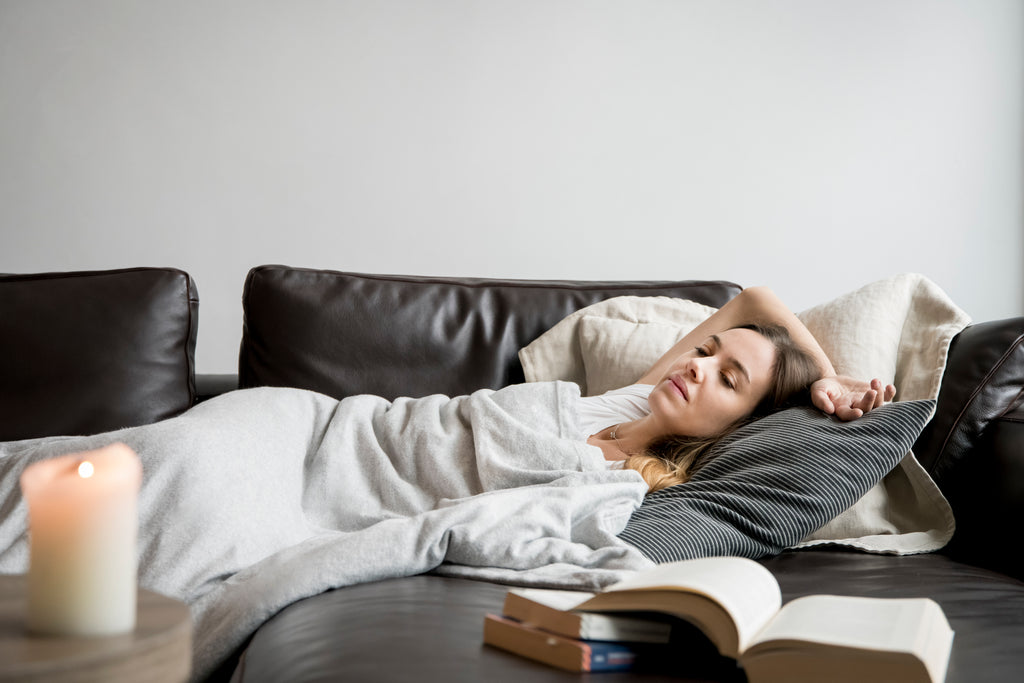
<point>262,497</point>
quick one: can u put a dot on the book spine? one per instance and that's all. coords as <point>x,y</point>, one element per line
<point>569,654</point>
<point>600,656</point>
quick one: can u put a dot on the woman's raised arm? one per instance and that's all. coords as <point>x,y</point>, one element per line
<point>846,397</point>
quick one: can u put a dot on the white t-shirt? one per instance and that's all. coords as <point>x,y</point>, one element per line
<point>615,406</point>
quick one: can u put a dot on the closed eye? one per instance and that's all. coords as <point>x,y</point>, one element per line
<point>708,349</point>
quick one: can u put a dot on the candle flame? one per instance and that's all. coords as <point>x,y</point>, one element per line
<point>85,469</point>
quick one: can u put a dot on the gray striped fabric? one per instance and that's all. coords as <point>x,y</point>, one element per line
<point>774,481</point>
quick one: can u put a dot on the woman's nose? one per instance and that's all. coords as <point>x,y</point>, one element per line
<point>696,369</point>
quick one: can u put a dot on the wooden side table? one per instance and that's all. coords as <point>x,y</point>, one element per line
<point>158,650</point>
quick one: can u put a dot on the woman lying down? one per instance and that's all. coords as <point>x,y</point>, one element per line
<point>261,497</point>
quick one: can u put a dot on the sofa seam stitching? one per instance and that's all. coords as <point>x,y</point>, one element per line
<point>521,284</point>
<point>974,395</point>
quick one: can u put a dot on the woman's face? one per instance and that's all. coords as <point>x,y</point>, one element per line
<point>708,388</point>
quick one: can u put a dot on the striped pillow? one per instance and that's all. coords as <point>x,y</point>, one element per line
<point>774,481</point>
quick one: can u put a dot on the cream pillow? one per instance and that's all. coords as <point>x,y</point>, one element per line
<point>617,352</point>
<point>612,343</point>
<point>897,329</point>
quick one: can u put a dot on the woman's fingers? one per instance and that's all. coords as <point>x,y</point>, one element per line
<point>847,413</point>
<point>823,396</point>
<point>822,402</point>
<point>867,402</point>
<point>883,394</point>
<point>879,399</point>
<point>848,399</point>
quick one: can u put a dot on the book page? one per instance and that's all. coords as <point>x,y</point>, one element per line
<point>557,599</point>
<point>890,625</point>
<point>744,588</point>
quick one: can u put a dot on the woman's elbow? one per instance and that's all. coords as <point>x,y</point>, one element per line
<point>757,291</point>
<point>758,299</point>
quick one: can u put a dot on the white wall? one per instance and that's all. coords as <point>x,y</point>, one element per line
<point>812,146</point>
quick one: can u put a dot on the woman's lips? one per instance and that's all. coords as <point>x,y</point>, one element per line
<point>680,386</point>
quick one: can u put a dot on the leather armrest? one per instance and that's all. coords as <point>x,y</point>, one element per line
<point>983,380</point>
<point>974,446</point>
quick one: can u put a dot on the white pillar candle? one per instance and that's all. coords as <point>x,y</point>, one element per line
<point>83,525</point>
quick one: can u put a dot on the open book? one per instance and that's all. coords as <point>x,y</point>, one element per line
<point>737,603</point>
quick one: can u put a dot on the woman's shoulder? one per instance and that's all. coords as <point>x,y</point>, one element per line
<point>638,389</point>
<point>617,405</point>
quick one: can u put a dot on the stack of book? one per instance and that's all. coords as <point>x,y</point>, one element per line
<point>543,625</point>
<point>737,605</point>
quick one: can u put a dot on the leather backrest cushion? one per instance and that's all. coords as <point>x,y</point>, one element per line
<point>348,333</point>
<point>89,352</point>
<point>983,380</point>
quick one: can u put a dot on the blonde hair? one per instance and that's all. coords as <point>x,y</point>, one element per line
<point>674,458</point>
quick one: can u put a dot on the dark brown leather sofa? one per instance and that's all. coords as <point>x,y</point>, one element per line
<point>343,334</point>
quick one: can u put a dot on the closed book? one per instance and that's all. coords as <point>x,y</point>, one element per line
<point>552,610</point>
<point>568,654</point>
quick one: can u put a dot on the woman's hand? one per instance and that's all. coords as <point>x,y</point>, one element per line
<point>848,398</point>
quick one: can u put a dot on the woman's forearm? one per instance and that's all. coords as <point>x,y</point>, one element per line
<point>760,304</point>
<point>753,305</point>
